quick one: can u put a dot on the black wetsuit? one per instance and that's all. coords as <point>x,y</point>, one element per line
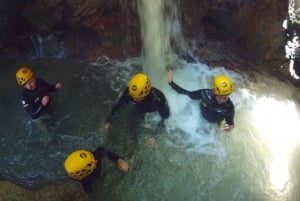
<point>32,99</point>
<point>92,178</point>
<point>154,101</point>
<point>211,110</point>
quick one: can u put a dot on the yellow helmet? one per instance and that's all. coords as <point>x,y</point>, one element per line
<point>139,86</point>
<point>23,75</point>
<point>222,85</point>
<point>80,164</point>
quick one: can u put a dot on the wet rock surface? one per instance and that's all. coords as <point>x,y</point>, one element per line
<point>251,29</point>
<point>63,191</point>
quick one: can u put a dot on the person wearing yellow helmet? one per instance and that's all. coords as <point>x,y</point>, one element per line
<point>85,166</point>
<point>215,103</point>
<point>35,97</point>
<point>143,97</point>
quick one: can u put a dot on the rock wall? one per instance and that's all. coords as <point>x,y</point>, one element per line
<point>64,191</point>
<point>248,28</point>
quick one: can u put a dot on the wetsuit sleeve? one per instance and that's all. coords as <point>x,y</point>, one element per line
<point>101,152</point>
<point>122,101</point>
<point>164,111</point>
<point>162,102</point>
<point>192,94</point>
<point>51,87</point>
<point>230,117</point>
<point>36,114</point>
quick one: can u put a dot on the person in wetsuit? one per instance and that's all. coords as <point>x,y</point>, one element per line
<point>144,97</point>
<point>35,98</point>
<point>85,166</point>
<point>215,104</point>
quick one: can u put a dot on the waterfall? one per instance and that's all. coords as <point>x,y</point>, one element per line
<point>38,46</point>
<point>161,33</point>
<point>47,47</point>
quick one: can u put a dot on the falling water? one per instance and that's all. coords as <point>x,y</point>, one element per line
<point>37,42</point>
<point>161,32</point>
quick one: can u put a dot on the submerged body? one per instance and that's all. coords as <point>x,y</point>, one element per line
<point>86,167</point>
<point>32,99</point>
<point>211,110</point>
<point>154,101</point>
<point>144,98</point>
<point>35,97</point>
<point>215,104</point>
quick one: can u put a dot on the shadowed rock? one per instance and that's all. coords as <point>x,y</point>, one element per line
<point>64,191</point>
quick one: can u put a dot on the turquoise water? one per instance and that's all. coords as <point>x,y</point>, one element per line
<point>191,160</point>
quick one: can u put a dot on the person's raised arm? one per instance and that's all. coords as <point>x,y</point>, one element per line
<point>174,86</point>
<point>170,76</point>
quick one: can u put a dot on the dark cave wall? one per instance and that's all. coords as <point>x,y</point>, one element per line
<point>251,29</point>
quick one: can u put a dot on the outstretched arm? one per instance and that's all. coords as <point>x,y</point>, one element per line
<point>122,164</point>
<point>170,76</point>
<point>192,94</point>
<point>123,100</point>
<point>176,87</point>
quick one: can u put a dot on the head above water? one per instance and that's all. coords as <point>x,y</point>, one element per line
<point>80,164</point>
<point>222,86</point>
<point>139,86</point>
<point>23,75</point>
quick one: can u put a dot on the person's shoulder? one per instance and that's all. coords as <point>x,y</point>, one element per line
<point>25,93</point>
<point>207,91</point>
<point>206,94</point>
<point>156,91</point>
<point>98,153</point>
<point>230,103</point>
<point>40,80</point>
<point>125,92</point>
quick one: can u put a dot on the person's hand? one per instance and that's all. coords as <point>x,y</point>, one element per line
<point>170,76</point>
<point>225,126</point>
<point>103,129</point>
<point>45,100</point>
<point>106,126</point>
<point>122,164</point>
<point>151,141</point>
<point>58,85</point>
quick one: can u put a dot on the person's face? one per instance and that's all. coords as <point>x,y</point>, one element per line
<point>31,84</point>
<point>222,99</point>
